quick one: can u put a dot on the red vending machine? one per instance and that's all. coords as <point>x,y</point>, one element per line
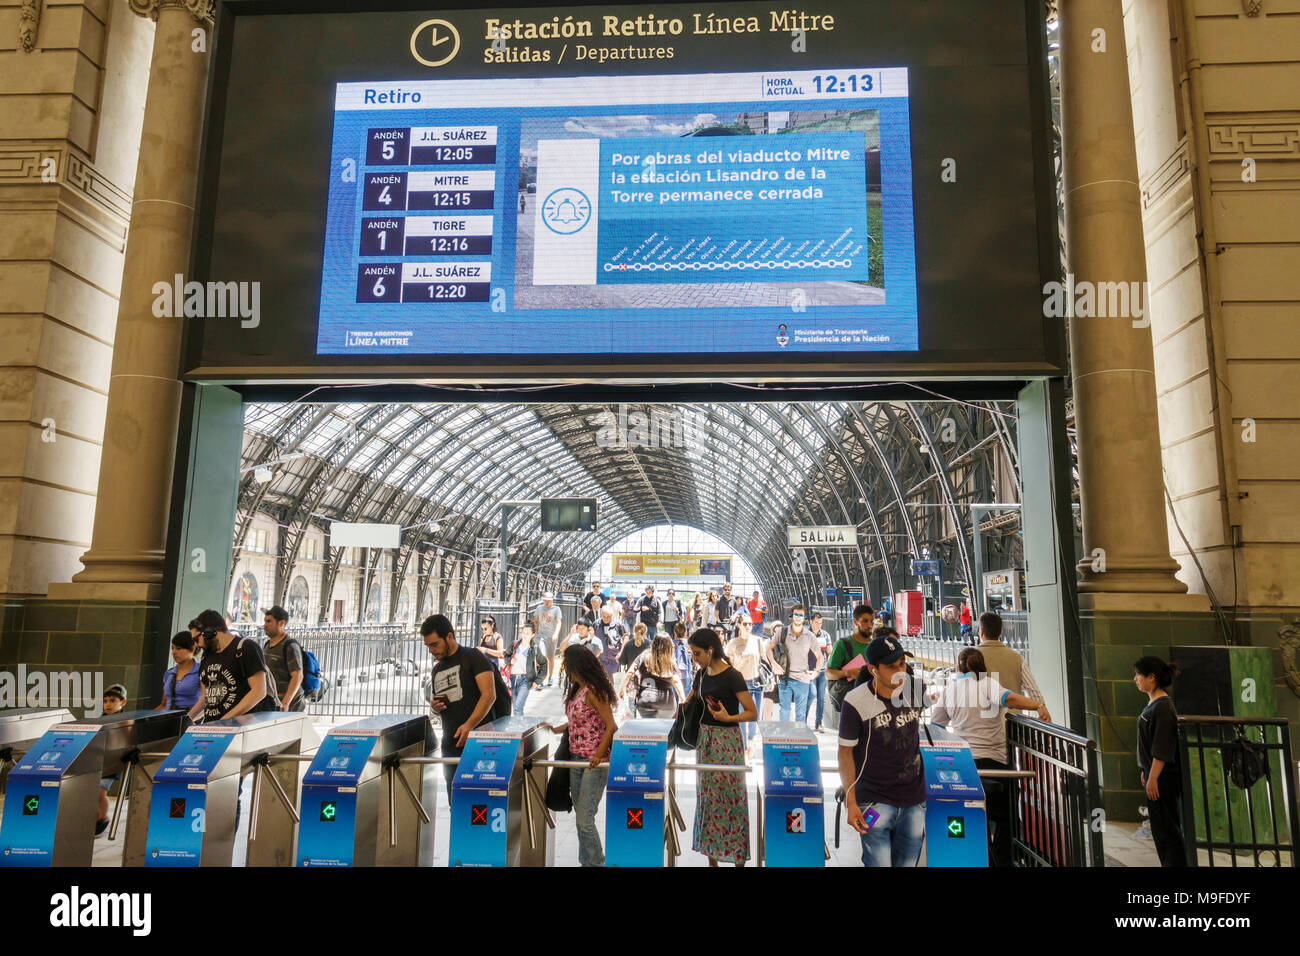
<point>909,611</point>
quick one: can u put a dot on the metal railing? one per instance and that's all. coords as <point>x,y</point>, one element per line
<point>1055,815</point>
<point>941,649</point>
<point>366,668</point>
<point>1225,824</point>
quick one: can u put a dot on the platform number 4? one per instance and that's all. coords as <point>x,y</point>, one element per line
<point>796,821</point>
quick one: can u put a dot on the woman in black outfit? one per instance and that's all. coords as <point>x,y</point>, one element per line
<point>1157,755</point>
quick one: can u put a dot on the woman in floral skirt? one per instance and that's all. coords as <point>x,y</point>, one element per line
<point>722,804</point>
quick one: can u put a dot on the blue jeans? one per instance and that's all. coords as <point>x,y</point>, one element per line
<point>650,631</point>
<point>586,787</point>
<point>758,628</point>
<point>818,687</point>
<point>800,693</point>
<point>750,727</point>
<point>896,838</point>
<point>519,689</point>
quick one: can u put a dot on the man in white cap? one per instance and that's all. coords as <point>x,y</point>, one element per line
<point>549,622</point>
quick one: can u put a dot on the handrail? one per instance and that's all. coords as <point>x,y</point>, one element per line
<point>1056,730</point>
<point>1217,719</point>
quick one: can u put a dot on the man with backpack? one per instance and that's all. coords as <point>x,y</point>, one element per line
<point>648,611</point>
<point>467,688</point>
<point>232,674</point>
<point>284,658</point>
<point>845,650</point>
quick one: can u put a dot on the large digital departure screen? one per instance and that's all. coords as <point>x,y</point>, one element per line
<point>745,211</point>
<point>393,192</point>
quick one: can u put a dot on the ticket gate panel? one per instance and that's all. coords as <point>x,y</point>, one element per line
<point>22,727</point>
<point>204,770</point>
<point>956,827</point>
<point>794,827</point>
<point>115,738</point>
<point>346,800</point>
<point>636,794</point>
<point>40,825</point>
<point>487,805</point>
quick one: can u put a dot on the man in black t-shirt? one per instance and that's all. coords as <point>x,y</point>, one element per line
<point>464,687</point>
<point>648,610</point>
<point>232,674</point>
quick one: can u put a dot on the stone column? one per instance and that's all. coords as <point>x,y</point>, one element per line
<point>1114,379</point>
<point>125,560</point>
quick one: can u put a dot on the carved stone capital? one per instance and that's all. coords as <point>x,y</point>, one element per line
<point>29,18</point>
<point>201,10</point>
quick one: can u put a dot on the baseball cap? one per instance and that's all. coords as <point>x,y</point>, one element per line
<point>115,690</point>
<point>277,612</point>
<point>548,596</point>
<point>885,649</point>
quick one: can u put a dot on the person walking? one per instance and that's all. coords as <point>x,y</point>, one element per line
<point>745,651</point>
<point>1005,665</point>
<point>880,757</point>
<point>757,608</point>
<point>652,681</point>
<point>1157,757</point>
<point>965,619</point>
<point>463,687</point>
<point>673,613</point>
<point>588,704</point>
<point>648,612</point>
<point>721,830</point>
<point>846,650</point>
<point>549,624</point>
<point>974,707</point>
<point>181,682</point>
<point>491,644</point>
<point>524,669</point>
<point>803,660</point>
<point>818,688</point>
<point>634,648</point>
<point>682,655</point>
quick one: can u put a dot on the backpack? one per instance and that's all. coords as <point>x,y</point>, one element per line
<point>838,688</point>
<point>310,670</point>
<point>500,706</point>
<point>781,654</point>
<point>272,699</point>
<point>652,690</point>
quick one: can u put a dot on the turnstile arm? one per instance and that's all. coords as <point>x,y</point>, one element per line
<point>262,769</point>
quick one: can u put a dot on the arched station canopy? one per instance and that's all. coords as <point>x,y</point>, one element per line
<point>904,473</point>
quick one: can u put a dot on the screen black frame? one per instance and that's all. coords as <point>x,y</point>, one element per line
<point>344,374</point>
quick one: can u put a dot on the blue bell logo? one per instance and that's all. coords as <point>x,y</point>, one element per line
<point>566,211</point>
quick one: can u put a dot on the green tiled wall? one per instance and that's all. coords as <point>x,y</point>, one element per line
<point>121,640</point>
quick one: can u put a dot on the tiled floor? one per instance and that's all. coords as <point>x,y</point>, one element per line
<point>1125,845</point>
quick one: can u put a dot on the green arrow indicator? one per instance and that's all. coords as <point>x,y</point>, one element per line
<point>31,805</point>
<point>957,827</point>
<point>327,810</point>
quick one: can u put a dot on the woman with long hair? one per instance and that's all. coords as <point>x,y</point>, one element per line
<point>653,678</point>
<point>589,704</point>
<point>1157,757</point>
<point>745,651</point>
<point>710,610</point>
<point>722,805</point>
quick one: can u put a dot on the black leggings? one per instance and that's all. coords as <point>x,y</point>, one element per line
<point>997,802</point>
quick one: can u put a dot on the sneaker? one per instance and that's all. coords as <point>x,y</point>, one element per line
<point>819,729</point>
<point>101,826</point>
<point>550,683</point>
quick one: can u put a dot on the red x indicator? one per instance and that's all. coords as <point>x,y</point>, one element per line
<point>635,818</point>
<point>478,815</point>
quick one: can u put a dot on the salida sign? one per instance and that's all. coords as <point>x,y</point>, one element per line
<point>826,536</point>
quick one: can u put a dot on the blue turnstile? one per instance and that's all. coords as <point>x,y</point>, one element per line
<point>636,794</point>
<point>52,795</point>
<point>956,830</point>
<point>494,821</point>
<point>192,814</point>
<point>793,800</point>
<point>352,813</point>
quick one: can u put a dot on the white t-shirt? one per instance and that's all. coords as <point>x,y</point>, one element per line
<point>974,710</point>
